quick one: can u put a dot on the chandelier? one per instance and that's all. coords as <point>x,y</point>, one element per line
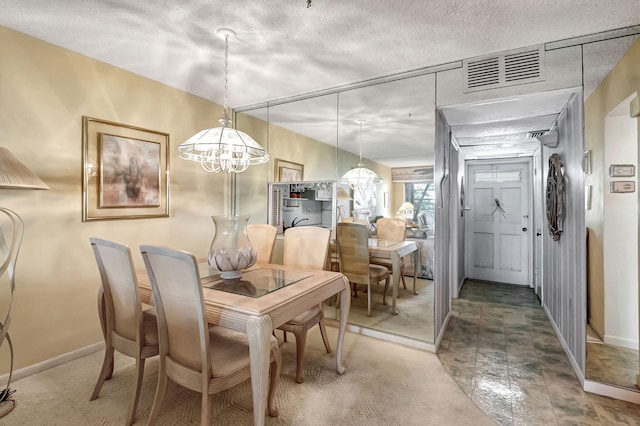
<point>360,178</point>
<point>223,148</point>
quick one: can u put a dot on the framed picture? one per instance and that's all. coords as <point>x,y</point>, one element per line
<point>125,171</point>
<point>586,163</point>
<point>286,171</point>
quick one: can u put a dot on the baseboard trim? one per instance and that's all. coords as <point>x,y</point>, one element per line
<point>612,391</point>
<point>50,363</point>
<point>442,330</point>
<point>387,337</point>
<point>567,351</point>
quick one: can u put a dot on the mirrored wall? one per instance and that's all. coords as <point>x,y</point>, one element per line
<point>611,140</point>
<point>384,126</point>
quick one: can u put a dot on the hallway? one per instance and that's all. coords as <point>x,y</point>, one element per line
<point>501,350</point>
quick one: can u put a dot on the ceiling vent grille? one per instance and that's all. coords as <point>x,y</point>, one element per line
<point>505,69</point>
<point>535,135</point>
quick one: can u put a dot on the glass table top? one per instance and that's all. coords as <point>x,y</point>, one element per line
<point>254,283</point>
<point>374,242</point>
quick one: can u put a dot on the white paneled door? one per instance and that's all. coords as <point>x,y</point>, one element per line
<point>498,222</point>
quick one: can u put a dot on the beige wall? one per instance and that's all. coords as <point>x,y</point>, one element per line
<point>44,92</point>
<point>321,162</point>
<point>623,80</point>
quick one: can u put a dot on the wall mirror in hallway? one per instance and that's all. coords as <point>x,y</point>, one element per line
<point>324,134</point>
<point>611,137</point>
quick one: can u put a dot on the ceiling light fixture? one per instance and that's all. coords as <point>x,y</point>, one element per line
<point>360,177</point>
<point>223,148</point>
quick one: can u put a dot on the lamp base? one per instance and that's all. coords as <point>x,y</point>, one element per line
<point>6,407</point>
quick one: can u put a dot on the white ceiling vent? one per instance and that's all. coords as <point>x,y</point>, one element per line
<point>535,135</point>
<point>504,69</point>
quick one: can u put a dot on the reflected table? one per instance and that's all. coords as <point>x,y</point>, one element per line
<point>395,251</point>
<point>265,297</point>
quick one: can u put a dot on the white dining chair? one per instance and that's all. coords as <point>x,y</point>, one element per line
<point>306,247</point>
<point>201,357</point>
<point>127,327</point>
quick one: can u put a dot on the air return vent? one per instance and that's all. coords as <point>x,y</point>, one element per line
<point>504,69</point>
<point>535,135</point>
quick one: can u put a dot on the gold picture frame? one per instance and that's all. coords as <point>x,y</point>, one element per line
<point>287,171</point>
<point>125,171</point>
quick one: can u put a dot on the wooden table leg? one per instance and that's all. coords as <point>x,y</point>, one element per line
<point>395,265</point>
<point>345,306</point>
<point>416,259</point>
<point>259,335</point>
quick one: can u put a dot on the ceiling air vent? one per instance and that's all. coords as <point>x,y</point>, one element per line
<point>505,69</point>
<point>536,134</point>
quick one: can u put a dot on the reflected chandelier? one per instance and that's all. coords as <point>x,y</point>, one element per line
<point>360,177</point>
<point>223,148</point>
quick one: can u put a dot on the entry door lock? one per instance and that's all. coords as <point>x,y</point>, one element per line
<point>524,229</point>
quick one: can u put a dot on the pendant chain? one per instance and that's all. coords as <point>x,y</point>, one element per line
<point>226,66</point>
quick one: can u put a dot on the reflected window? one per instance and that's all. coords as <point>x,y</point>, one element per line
<point>497,176</point>
<point>423,198</point>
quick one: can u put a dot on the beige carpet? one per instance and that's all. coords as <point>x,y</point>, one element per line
<point>415,319</point>
<point>385,384</point>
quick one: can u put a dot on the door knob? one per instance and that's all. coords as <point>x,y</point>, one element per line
<point>538,234</point>
<point>524,229</point>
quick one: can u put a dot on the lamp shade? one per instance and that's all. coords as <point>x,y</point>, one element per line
<point>405,206</point>
<point>360,178</point>
<point>223,149</point>
<point>15,175</point>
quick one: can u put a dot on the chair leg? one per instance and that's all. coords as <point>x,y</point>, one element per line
<point>301,341</point>
<point>135,396</point>
<point>161,390</point>
<point>325,338</point>
<point>204,414</point>
<point>107,366</point>
<point>102,315</point>
<point>369,299</point>
<point>275,376</point>
<point>384,292</point>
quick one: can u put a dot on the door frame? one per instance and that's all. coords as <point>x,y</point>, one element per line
<point>530,246</point>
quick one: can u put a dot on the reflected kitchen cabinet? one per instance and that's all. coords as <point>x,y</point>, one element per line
<point>302,204</point>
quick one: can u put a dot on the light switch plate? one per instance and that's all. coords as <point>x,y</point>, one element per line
<point>622,170</point>
<point>623,186</point>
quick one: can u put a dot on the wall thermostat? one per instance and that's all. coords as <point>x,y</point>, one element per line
<point>623,186</point>
<point>622,170</point>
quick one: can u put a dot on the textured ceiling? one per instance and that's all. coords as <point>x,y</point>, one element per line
<point>283,48</point>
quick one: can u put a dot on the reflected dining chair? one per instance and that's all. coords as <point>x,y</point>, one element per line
<point>394,230</point>
<point>263,238</point>
<point>201,357</point>
<point>352,241</point>
<point>127,327</point>
<point>306,247</point>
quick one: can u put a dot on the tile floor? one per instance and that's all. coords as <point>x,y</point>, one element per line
<point>501,350</point>
<point>612,364</point>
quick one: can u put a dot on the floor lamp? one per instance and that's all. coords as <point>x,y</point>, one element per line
<point>13,175</point>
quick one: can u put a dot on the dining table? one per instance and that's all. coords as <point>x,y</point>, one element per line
<point>265,297</point>
<point>395,251</point>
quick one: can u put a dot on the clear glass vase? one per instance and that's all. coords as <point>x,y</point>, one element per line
<point>231,249</point>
